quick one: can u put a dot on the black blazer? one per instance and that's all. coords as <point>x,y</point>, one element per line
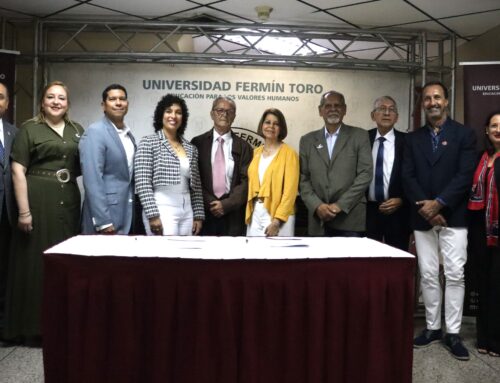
<point>234,202</point>
<point>396,182</point>
<point>446,173</point>
<point>6,189</point>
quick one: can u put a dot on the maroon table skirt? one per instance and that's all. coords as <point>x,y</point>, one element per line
<point>141,320</point>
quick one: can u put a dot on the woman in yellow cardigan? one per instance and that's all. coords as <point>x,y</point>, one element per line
<point>273,181</point>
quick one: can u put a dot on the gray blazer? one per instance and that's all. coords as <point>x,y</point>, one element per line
<point>109,186</point>
<point>342,180</point>
<point>6,190</point>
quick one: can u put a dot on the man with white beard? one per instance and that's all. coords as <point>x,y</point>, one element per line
<point>336,168</point>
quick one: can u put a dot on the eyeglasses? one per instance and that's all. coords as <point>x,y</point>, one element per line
<point>384,110</point>
<point>221,112</point>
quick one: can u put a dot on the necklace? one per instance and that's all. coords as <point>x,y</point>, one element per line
<point>176,145</point>
<point>270,150</point>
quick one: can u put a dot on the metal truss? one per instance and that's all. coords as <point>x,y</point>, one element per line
<point>230,44</point>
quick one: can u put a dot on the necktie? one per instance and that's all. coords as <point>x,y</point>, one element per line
<point>2,152</point>
<point>379,171</point>
<point>219,170</point>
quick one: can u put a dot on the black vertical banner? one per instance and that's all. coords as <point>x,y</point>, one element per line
<point>8,77</point>
<point>481,97</point>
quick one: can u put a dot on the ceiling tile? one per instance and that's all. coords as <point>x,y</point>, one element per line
<point>383,12</point>
<point>445,8</point>
<point>473,25</point>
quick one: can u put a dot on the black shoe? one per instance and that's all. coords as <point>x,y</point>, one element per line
<point>454,345</point>
<point>427,337</point>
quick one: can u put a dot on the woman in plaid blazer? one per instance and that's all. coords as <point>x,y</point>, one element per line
<point>167,176</point>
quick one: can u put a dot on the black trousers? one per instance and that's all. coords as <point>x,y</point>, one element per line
<point>5,241</point>
<point>392,230</point>
<point>488,318</point>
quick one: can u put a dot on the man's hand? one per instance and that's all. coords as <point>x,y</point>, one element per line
<point>327,212</point>
<point>390,206</point>
<point>216,208</point>
<point>429,208</point>
<point>438,220</point>
<point>110,230</point>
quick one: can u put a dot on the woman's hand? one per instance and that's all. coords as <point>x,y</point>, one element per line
<point>25,223</point>
<point>273,229</point>
<point>156,226</point>
<point>197,225</point>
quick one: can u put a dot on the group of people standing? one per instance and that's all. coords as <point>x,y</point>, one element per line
<point>380,183</point>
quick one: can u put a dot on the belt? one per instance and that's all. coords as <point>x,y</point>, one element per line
<point>62,175</point>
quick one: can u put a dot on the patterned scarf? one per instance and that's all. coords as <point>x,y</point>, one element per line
<point>484,196</point>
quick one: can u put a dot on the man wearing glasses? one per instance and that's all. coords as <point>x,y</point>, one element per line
<point>387,214</point>
<point>335,171</point>
<point>223,160</point>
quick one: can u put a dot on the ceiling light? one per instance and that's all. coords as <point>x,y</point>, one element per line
<point>263,12</point>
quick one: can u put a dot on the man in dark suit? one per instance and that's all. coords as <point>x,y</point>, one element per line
<point>438,165</point>
<point>387,218</point>
<point>8,213</point>
<point>224,196</point>
<point>335,170</point>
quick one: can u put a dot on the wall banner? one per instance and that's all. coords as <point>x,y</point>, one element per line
<point>296,92</point>
<point>481,97</point>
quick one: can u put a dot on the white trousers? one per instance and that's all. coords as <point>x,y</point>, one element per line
<point>451,244</point>
<point>176,213</point>
<point>262,219</point>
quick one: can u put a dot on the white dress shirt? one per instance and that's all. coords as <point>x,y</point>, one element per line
<point>389,145</point>
<point>128,145</point>
<point>2,138</point>
<point>331,139</point>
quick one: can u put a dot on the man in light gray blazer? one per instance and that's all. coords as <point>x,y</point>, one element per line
<point>335,171</point>
<point>8,211</point>
<point>107,150</point>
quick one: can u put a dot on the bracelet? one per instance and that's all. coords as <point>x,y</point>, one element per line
<point>25,214</point>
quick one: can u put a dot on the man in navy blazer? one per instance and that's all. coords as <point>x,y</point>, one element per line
<point>107,150</point>
<point>387,218</point>
<point>439,162</point>
<point>8,211</point>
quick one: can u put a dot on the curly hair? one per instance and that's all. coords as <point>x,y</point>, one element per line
<point>167,101</point>
<point>281,122</point>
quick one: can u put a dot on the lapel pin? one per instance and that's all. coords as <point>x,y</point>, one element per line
<point>445,143</point>
<point>77,135</point>
<point>320,146</point>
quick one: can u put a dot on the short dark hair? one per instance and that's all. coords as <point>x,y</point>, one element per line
<point>487,143</point>
<point>6,88</point>
<point>331,93</point>
<point>281,121</point>
<point>436,83</point>
<point>111,87</point>
<point>165,102</point>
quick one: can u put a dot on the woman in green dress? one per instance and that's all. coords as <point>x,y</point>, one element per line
<point>45,165</point>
